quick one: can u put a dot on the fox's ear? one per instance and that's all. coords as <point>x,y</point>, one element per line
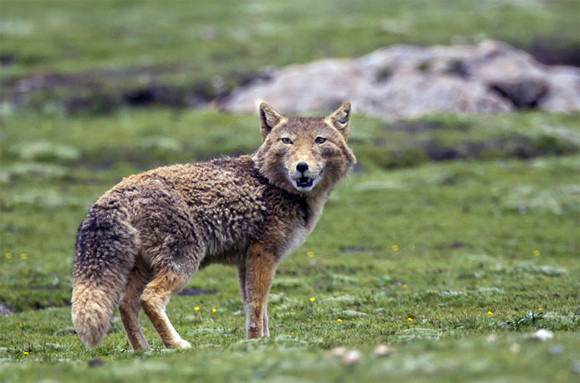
<point>340,119</point>
<point>269,118</point>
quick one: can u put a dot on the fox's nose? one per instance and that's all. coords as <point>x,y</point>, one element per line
<point>302,167</point>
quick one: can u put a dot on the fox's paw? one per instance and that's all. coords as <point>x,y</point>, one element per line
<point>183,344</point>
<point>180,344</point>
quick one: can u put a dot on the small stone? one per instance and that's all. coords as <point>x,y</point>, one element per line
<point>351,358</point>
<point>557,349</point>
<point>382,350</point>
<point>515,348</point>
<point>491,338</point>
<point>95,362</point>
<point>542,335</point>
<point>576,367</point>
<point>338,351</point>
<point>5,310</point>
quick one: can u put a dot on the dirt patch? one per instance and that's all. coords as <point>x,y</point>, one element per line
<point>513,146</point>
<point>416,127</point>
<point>7,59</point>
<point>436,152</point>
<point>103,91</point>
<point>191,292</point>
<point>415,152</point>
<point>47,305</point>
<point>96,362</point>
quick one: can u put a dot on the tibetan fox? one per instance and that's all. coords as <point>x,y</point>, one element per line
<point>143,240</point>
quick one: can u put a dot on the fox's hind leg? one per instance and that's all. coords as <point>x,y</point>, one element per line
<point>155,297</point>
<point>130,306</point>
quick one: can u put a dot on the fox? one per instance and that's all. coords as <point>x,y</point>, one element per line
<point>143,240</point>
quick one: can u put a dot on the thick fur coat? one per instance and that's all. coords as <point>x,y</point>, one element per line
<point>144,239</point>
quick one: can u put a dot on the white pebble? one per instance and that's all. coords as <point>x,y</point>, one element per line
<point>382,350</point>
<point>542,335</point>
<point>352,357</point>
<point>491,338</point>
<point>338,351</point>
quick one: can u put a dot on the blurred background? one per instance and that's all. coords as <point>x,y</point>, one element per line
<point>74,57</point>
<point>460,220</point>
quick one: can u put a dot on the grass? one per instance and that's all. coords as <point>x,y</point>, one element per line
<point>443,243</point>
<point>443,361</point>
<point>451,228</point>
<point>62,34</point>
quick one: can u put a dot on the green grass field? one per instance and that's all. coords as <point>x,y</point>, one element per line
<point>450,229</point>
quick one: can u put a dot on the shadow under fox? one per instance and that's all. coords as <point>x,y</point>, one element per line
<point>144,239</point>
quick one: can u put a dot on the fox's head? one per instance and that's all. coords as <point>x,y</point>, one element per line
<point>304,155</point>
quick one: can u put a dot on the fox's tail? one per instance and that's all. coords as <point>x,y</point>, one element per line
<point>105,254</point>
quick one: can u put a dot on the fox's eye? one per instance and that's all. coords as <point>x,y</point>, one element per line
<point>320,140</point>
<point>286,140</point>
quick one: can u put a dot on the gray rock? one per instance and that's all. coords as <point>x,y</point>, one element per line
<point>5,310</point>
<point>414,94</point>
<point>322,85</point>
<point>406,82</point>
<point>557,349</point>
<point>563,90</point>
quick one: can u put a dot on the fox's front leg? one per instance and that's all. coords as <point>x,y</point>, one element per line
<point>242,277</point>
<point>257,275</point>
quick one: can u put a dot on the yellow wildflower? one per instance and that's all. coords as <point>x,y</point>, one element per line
<point>410,319</point>
<point>339,320</point>
<point>23,255</point>
<point>214,311</point>
<point>8,255</point>
<point>537,253</point>
<point>196,308</point>
<point>312,299</point>
<point>489,313</point>
<point>395,247</point>
<point>310,254</point>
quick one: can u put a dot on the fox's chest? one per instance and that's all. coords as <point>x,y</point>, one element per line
<point>296,239</point>
<point>297,235</point>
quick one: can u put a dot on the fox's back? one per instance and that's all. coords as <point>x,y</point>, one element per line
<point>219,206</point>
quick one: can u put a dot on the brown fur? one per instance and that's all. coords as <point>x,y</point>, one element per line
<point>144,239</point>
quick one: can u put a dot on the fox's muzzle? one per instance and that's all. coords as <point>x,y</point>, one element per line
<point>303,177</point>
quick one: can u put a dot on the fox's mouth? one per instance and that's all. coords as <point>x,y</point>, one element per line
<point>304,182</point>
